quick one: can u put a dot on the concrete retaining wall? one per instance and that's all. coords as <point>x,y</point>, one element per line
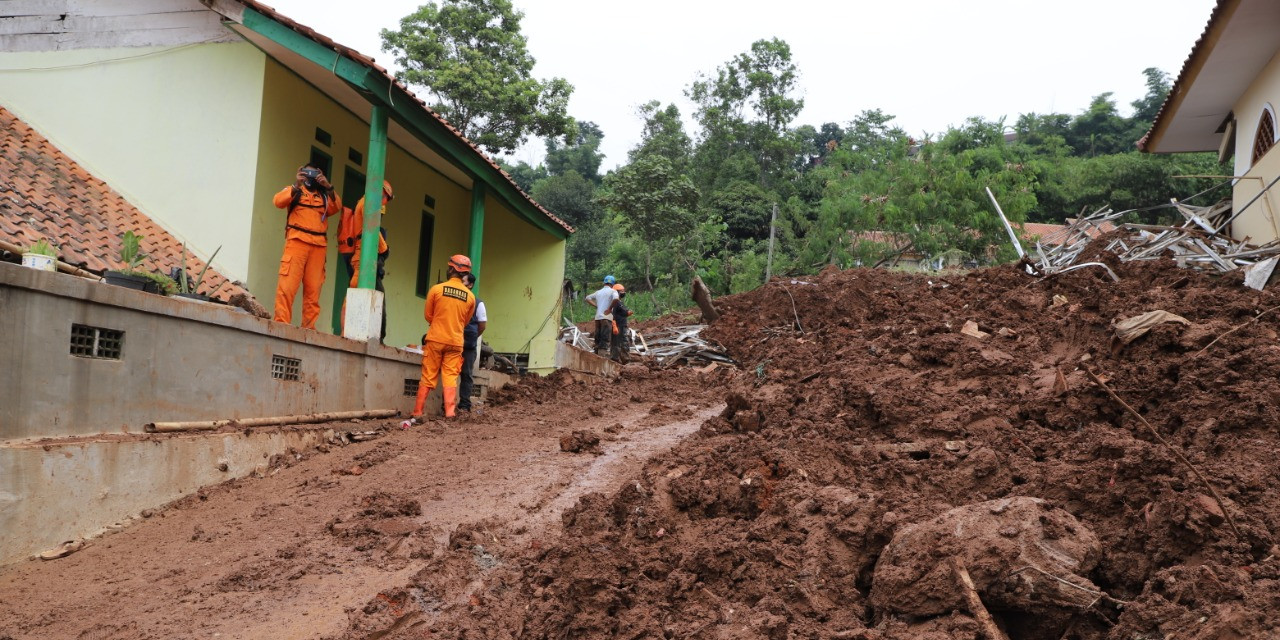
<point>52,492</point>
<point>181,360</point>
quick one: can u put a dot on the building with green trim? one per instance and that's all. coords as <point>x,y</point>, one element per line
<point>199,111</point>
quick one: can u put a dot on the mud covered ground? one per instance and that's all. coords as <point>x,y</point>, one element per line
<point>296,553</point>
<point>869,450</point>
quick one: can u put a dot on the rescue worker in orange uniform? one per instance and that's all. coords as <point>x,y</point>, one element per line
<point>449,308</point>
<point>383,252</point>
<point>308,202</point>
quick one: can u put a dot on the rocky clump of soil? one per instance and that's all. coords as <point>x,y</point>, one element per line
<point>864,426</point>
<point>579,441</point>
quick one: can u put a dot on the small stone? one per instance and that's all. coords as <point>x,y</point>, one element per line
<point>147,513</point>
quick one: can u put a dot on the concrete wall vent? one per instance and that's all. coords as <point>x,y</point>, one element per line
<point>96,342</point>
<point>283,368</point>
<point>411,387</point>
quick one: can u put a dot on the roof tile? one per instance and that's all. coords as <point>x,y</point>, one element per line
<point>45,194</point>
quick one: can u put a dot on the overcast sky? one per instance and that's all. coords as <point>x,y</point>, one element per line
<point>931,63</point>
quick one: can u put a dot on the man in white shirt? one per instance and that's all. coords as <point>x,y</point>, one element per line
<point>471,346</point>
<point>603,300</point>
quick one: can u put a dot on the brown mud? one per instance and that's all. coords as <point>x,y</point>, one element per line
<point>831,487</point>
<point>866,447</point>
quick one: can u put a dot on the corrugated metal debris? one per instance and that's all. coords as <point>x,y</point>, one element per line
<point>1194,244</point>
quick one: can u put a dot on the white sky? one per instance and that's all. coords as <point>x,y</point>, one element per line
<point>931,63</point>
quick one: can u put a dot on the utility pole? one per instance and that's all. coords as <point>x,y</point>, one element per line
<point>773,229</point>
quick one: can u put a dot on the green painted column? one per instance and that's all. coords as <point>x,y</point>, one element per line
<point>377,160</point>
<point>477,228</point>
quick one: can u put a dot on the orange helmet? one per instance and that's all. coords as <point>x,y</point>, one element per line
<point>619,288</point>
<point>386,190</point>
<point>460,263</point>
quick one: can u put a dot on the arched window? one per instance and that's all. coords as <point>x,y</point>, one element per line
<point>1265,137</point>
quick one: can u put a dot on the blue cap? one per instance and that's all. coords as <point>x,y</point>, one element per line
<point>610,280</point>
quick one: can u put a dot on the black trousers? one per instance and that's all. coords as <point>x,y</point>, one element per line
<point>467,383</point>
<point>604,335</point>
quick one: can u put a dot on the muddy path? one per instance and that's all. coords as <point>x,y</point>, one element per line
<point>891,433</point>
<point>295,553</point>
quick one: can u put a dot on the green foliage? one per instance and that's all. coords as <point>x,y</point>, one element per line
<point>569,196</point>
<point>581,156</point>
<point>471,59</point>
<point>735,146</point>
<point>663,135</point>
<point>167,285</point>
<point>131,254</point>
<point>186,284</point>
<point>524,174</point>
<point>654,200</point>
<point>44,248</point>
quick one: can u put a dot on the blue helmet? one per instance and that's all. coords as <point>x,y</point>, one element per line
<point>610,280</point>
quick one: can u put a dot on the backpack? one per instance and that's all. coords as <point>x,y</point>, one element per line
<point>348,231</point>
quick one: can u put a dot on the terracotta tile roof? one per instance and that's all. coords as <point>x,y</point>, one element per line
<point>367,61</point>
<point>45,194</point>
<point>1180,86</point>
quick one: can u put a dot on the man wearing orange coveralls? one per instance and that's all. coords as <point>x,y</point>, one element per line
<point>308,203</point>
<point>383,252</point>
<point>449,308</point>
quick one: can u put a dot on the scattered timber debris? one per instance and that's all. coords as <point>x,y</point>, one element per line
<point>1197,243</point>
<point>667,347</point>
<point>683,344</point>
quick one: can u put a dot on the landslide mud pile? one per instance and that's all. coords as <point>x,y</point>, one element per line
<point>887,430</point>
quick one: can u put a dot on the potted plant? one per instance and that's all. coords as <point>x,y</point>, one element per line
<point>42,256</point>
<point>187,287</point>
<point>133,276</point>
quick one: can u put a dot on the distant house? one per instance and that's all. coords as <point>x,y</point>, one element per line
<point>1224,100</point>
<point>197,111</point>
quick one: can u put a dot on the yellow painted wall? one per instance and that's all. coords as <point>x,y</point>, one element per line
<point>1259,221</point>
<point>518,255</point>
<point>174,130</point>
<point>521,271</point>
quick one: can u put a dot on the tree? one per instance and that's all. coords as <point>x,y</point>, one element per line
<point>1100,130</point>
<point>745,209</point>
<point>469,57</point>
<point>582,155</point>
<point>1146,107</point>
<point>663,134</point>
<point>655,202</point>
<point>762,81</point>
<point>569,196</point>
<point>524,174</point>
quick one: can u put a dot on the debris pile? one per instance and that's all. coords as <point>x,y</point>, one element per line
<point>682,345</point>
<point>978,460</point>
<point>1197,243</point>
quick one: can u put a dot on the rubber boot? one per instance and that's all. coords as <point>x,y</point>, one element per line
<point>421,403</point>
<point>450,401</point>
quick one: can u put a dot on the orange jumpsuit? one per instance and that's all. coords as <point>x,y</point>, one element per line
<point>305,243</point>
<point>382,242</point>
<point>449,308</point>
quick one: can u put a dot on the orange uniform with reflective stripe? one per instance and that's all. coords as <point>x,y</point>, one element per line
<point>303,261</point>
<point>449,308</point>
<point>309,220</point>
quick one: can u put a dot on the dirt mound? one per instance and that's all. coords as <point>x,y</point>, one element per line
<point>863,414</point>
<point>1023,554</point>
<point>580,441</point>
